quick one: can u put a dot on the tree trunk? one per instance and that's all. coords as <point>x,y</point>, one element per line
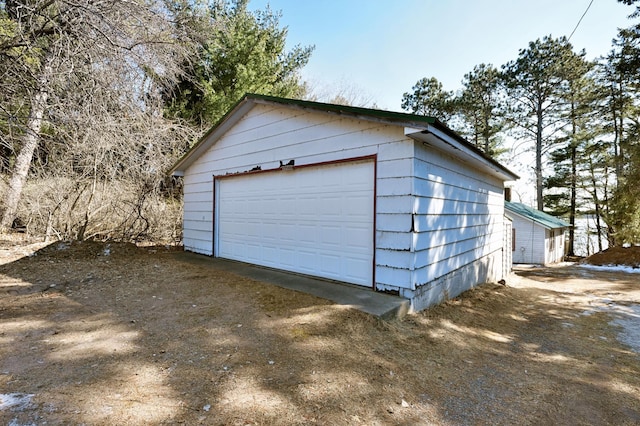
<point>574,181</point>
<point>596,203</point>
<point>539,181</point>
<point>25,156</point>
<point>573,206</point>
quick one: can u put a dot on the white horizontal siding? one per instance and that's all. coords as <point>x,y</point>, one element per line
<point>436,165</point>
<point>267,135</point>
<point>395,186</point>
<point>302,135</point>
<point>443,237</point>
<point>480,246</point>
<point>198,241</point>
<point>447,265</point>
<point>458,215</point>
<point>394,222</point>
<point>203,216</point>
<point>530,244</point>
<point>425,223</point>
<point>401,167</point>
<point>197,226</point>
<point>394,240</point>
<point>398,148</point>
<point>201,187</point>
<point>557,254</point>
<point>197,220</point>
<point>399,204</point>
<point>298,140</point>
<point>388,277</point>
<point>436,206</point>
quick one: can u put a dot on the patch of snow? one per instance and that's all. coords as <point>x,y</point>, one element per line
<point>15,401</point>
<point>16,422</point>
<point>612,268</point>
<point>628,317</point>
<point>564,264</point>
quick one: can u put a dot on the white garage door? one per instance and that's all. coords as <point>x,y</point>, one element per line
<point>313,220</point>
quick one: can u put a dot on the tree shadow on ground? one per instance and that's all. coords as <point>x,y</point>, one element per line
<point>136,336</point>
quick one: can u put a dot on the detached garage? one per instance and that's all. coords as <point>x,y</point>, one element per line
<point>394,202</point>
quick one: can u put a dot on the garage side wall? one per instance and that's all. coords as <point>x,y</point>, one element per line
<point>268,135</point>
<point>457,227</point>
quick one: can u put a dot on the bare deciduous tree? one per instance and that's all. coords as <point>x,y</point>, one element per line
<point>86,67</point>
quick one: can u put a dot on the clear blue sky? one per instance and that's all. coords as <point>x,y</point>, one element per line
<point>382,48</point>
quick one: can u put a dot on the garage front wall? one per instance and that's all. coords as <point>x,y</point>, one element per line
<point>438,220</point>
<point>268,136</point>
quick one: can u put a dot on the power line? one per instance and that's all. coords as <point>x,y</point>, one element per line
<point>578,24</point>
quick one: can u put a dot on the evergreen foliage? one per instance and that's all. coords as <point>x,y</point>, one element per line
<point>239,52</point>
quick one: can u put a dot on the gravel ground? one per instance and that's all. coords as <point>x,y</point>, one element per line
<point>97,333</point>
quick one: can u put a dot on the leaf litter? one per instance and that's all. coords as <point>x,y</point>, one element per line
<point>105,333</point>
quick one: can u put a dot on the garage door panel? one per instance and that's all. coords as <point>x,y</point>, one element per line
<point>331,237</point>
<point>356,238</point>
<point>316,220</point>
<point>253,252</point>
<point>358,268</point>
<point>329,263</point>
<point>306,235</point>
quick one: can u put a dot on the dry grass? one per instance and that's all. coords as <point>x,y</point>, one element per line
<point>123,335</point>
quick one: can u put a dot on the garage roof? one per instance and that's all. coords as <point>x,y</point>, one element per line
<point>419,127</point>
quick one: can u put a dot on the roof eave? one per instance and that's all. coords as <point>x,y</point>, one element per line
<point>205,142</point>
<point>441,137</point>
<point>250,99</point>
<point>426,129</point>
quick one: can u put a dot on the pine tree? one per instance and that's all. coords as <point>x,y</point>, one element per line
<point>533,83</point>
<point>429,98</point>
<point>578,101</point>
<point>480,108</point>
<point>238,52</point>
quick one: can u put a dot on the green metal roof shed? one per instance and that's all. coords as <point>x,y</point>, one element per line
<point>544,219</point>
<point>538,237</point>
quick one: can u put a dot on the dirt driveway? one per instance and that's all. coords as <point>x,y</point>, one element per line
<point>113,334</point>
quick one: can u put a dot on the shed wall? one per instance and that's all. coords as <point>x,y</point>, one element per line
<point>530,244</point>
<point>507,245</point>
<point>554,253</point>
